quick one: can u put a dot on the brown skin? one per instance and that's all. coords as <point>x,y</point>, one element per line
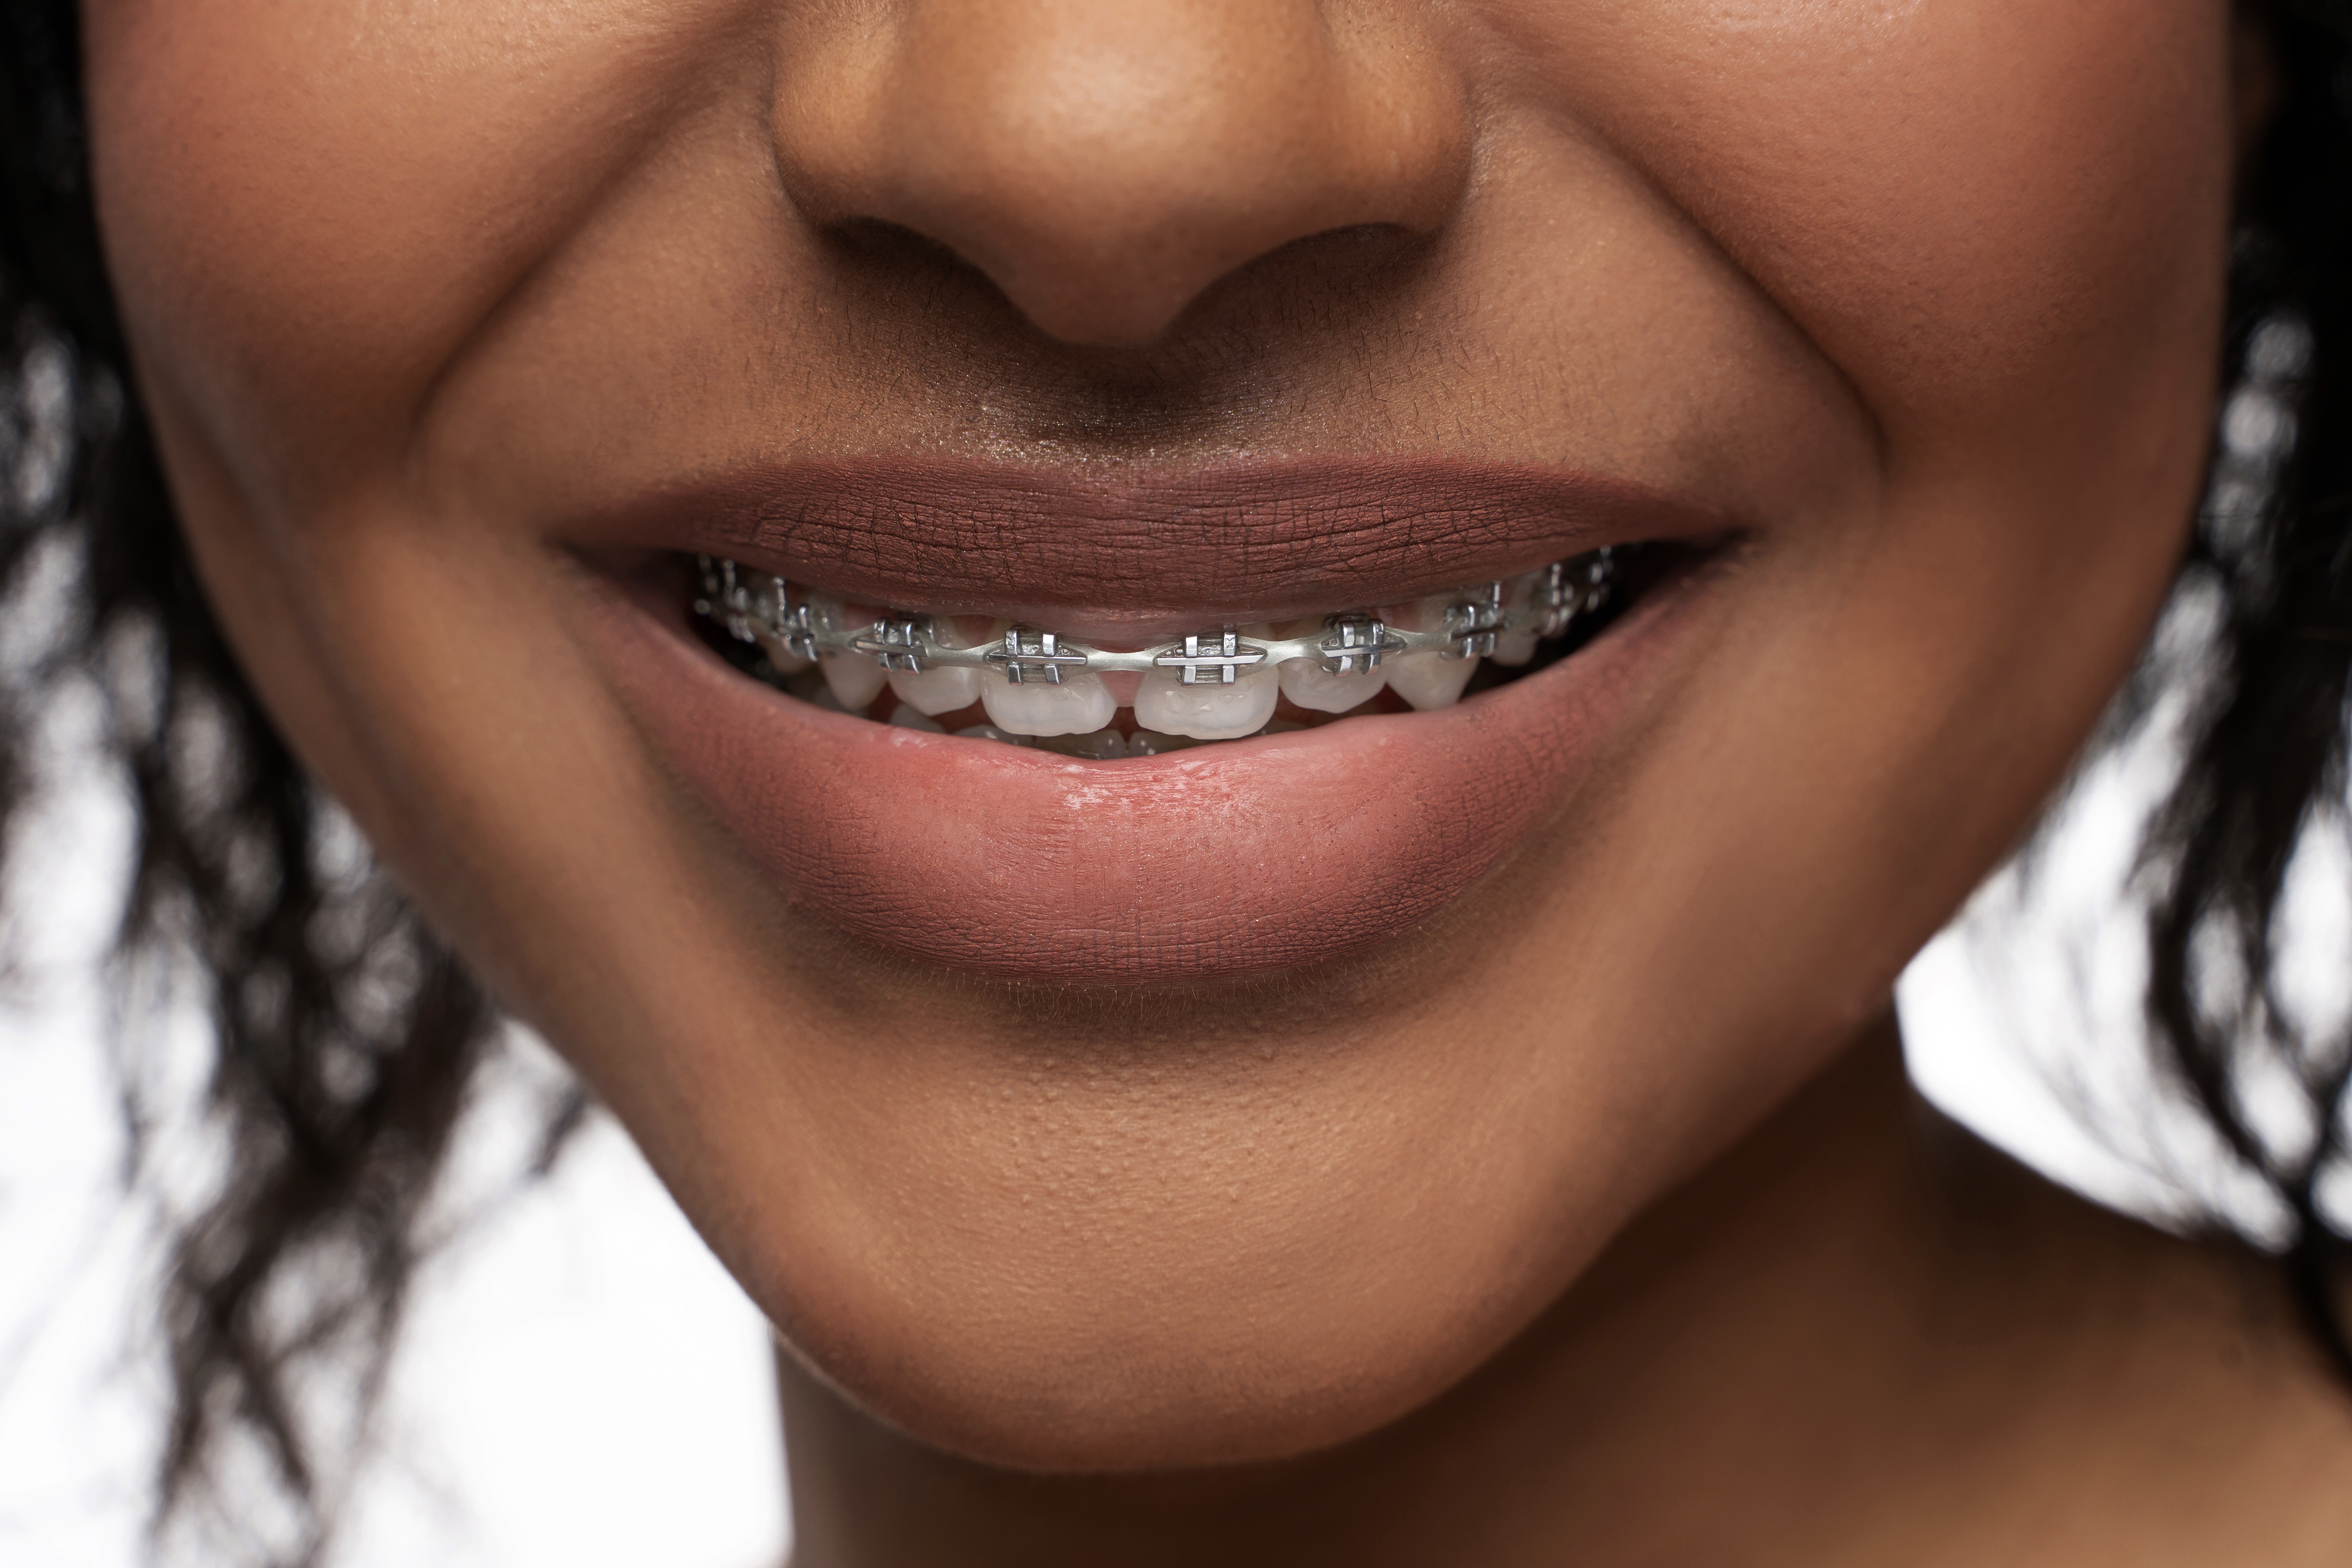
<point>1925,295</point>
<point>1863,1338</point>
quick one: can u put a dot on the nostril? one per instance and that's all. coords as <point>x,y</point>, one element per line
<point>907,275</point>
<point>1348,263</point>
<point>1346,257</point>
<point>1104,167</point>
<point>882,244</point>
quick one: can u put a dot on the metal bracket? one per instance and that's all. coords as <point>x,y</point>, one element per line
<point>1354,644</point>
<point>726,598</point>
<point>1225,658</point>
<point>797,627</point>
<point>896,643</point>
<point>1474,623</point>
<point>1041,656</point>
<point>1572,588</point>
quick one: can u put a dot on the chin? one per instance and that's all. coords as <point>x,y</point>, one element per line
<point>1089,1373</point>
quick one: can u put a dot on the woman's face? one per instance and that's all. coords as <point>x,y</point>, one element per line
<point>1222,1103</point>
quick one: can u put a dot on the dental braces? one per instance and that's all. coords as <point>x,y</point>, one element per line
<point>756,607</point>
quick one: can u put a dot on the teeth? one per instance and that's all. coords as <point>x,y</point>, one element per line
<point>855,679</point>
<point>1308,685</point>
<point>762,607</point>
<point>942,689</point>
<point>1208,712</point>
<point>1039,688</point>
<point>1428,681</point>
<point>1515,648</point>
<point>1079,705</point>
<point>774,646</point>
<point>1210,709</point>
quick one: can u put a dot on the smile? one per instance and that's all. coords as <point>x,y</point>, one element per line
<point>1127,788</point>
<point>989,677</point>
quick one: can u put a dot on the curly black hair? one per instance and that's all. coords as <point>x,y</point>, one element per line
<point>346,1034</point>
<point>2265,744</point>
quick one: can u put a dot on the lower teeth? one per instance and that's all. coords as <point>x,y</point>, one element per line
<point>1020,686</point>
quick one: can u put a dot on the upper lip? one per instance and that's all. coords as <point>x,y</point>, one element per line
<point>1248,541</point>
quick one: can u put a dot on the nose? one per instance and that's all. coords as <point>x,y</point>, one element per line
<point>1103,162</point>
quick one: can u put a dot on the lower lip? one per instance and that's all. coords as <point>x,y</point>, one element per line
<point>1236,858</point>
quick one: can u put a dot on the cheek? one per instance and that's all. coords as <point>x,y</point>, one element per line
<point>2004,225</point>
<point>311,207</point>
<point>1972,208</point>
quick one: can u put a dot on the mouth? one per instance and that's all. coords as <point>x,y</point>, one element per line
<point>1088,778</point>
<point>990,677</point>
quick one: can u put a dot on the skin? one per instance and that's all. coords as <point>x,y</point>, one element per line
<point>1925,295</point>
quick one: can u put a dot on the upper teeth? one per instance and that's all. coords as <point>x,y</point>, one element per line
<point>1211,685</point>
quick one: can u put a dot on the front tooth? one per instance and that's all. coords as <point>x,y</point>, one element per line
<point>1210,709</point>
<point>1081,705</point>
<point>942,689</point>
